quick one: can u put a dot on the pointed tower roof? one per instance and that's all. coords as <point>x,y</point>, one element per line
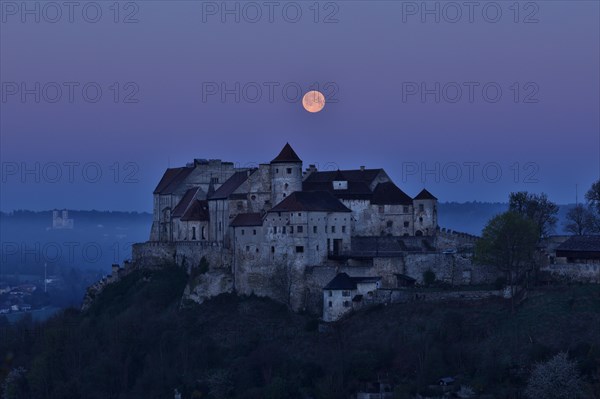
<point>425,195</point>
<point>286,155</point>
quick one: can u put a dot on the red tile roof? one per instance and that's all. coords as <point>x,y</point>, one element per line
<point>197,211</point>
<point>425,195</point>
<point>247,219</point>
<point>231,184</point>
<point>316,201</point>
<point>389,194</point>
<point>287,154</point>
<point>181,207</point>
<point>171,180</point>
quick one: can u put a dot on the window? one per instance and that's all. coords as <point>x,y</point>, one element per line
<point>284,195</point>
<point>299,214</point>
<point>345,293</point>
<point>317,247</point>
<point>315,229</point>
<point>214,180</point>
<point>289,171</point>
<point>193,233</point>
<point>254,232</point>
<point>291,229</point>
<point>272,250</point>
<point>247,248</point>
<point>406,224</point>
<point>389,223</point>
<point>220,226</point>
<point>283,230</point>
<point>405,209</point>
<point>333,229</point>
<point>256,249</point>
<point>346,304</point>
<point>421,219</point>
<point>243,231</point>
<point>276,170</point>
<point>253,197</point>
<point>421,207</point>
<point>330,304</point>
<point>330,293</point>
<point>299,229</point>
<point>286,186</point>
<point>343,229</point>
<point>299,249</point>
<point>240,205</point>
<point>381,208</point>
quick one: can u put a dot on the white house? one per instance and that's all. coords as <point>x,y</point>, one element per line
<point>344,294</point>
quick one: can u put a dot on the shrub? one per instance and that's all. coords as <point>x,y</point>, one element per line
<point>557,378</point>
<point>429,277</point>
<point>500,283</point>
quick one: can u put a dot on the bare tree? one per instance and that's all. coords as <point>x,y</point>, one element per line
<point>536,207</point>
<point>282,281</point>
<point>579,220</point>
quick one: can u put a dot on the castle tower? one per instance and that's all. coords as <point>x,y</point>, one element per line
<point>425,214</point>
<point>286,174</point>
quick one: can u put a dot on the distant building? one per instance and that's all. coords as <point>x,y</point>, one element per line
<point>579,249</point>
<point>60,220</point>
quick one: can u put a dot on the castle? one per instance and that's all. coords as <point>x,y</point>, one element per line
<point>281,231</point>
<point>279,209</point>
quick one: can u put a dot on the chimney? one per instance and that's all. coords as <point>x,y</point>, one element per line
<point>362,167</point>
<point>311,168</point>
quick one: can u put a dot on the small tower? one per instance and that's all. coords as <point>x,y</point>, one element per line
<point>425,214</point>
<point>286,174</point>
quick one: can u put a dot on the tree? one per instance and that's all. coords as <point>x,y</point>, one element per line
<point>509,242</point>
<point>593,199</point>
<point>593,196</point>
<point>557,378</point>
<point>282,281</point>
<point>579,220</point>
<point>536,207</point>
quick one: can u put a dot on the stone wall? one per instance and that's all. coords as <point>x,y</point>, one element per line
<point>576,272</point>
<point>411,295</point>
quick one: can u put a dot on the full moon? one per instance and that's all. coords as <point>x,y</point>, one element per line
<point>313,101</point>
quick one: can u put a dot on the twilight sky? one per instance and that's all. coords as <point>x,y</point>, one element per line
<point>488,99</point>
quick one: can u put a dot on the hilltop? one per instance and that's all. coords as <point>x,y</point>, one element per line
<point>139,340</point>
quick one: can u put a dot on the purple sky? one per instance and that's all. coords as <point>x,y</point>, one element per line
<point>374,58</point>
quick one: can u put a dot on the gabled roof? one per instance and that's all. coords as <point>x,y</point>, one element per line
<point>247,219</point>
<point>344,282</point>
<point>316,201</point>
<point>362,175</point>
<point>425,195</point>
<point>355,190</point>
<point>197,211</point>
<point>581,244</point>
<point>359,182</point>
<point>286,155</point>
<point>181,207</point>
<point>389,194</point>
<point>231,184</point>
<point>171,180</point>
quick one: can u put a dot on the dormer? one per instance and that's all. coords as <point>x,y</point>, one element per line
<point>339,181</point>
